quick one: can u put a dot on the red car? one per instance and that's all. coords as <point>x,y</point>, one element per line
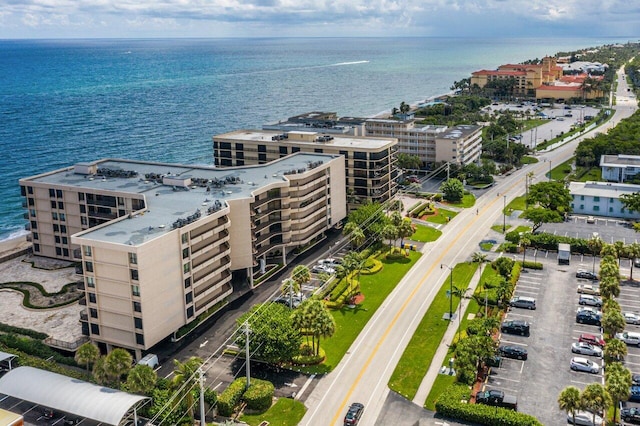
<point>592,339</point>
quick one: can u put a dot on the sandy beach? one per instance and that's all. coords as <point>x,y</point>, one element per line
<point>14,244</point>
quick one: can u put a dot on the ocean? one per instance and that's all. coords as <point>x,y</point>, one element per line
<point>66,101</point>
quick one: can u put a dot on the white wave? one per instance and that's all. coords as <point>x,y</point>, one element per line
<point>348,63</point>
<point>15,235</point>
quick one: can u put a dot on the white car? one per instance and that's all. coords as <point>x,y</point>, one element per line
<point>579,363</point>
<point>583,348</point>
<point>632,318</point>
<point>629,337</point>
<point>584,418</point>
<point>322,269</point>
<point>587,299</point>
<point>330,262</point>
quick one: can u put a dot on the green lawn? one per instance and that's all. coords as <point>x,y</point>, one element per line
<point>350,322</point>
<point>425,234</point>
<point>417,357</point>
<point>528,160</point>
<point>530,124</point>
<point>523,229</point>
<point>441,216</point>
<point>498,228</point>
<point>593,174</point>
<point>441,383</point>
<point>468,200</point>
<point>518,203</point>
<point>487,246</point>
<point>562,171</point>
<point>285,412</point>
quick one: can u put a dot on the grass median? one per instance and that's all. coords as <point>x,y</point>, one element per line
<point>425,234</point>
<point>417,357</point>
<point>285,412</point>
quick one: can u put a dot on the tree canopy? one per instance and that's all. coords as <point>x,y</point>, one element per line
<point>550,195</point>
<point>452,190</point>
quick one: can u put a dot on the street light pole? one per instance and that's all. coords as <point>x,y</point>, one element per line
<point>504,213</point>
<point>450,290</point>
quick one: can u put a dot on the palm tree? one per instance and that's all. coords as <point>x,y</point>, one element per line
<point>460,293</point>
<point>613,322</point>
<point>301,274</point>
<point>608,250</point>
<point>389,233</point>
<point>357,262</point>
<point>354,233</point>
<point>569,401</point>
<point>611,304</point>
<point>620,250</point>
<point>325,325</point>
<point>525,241</point>
<point>185,378</point>
<point>100,372</point>
<point>118,363</point>
<point>595,399</point>
<point>405,230</point>
<point>404,107</point>
<point>87,354</point>
<point>609,287</point>
<point>617,381</point>
<point>614,351</point>
<point>290,287</point>
<point>633,251</point>
<point>141,379</point>
<point>595,245</point>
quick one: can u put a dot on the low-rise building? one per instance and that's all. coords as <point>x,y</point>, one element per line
<point>177,241</point>
<point>620,167</point>
<point>526,78</point>
<point>369,163</point>
<point>602,199</point>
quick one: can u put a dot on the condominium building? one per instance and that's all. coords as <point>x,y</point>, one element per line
<point>602,199</point>
<point>619,167</point>
<point>369,163</point>
<point>431,143</point>
<point>526,77</point>
<point>163,243</point>
<point>318,121</point>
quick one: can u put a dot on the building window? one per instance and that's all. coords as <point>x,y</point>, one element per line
<point>139,339</point>
<point>190,312</point>
<point>32,212</point>
<point>80,196</point>
<point>88,266</point>
<point>35,235</point>
<point>57,239</point>
<point>36,247</point>
<point>187,282</point>
<point>63,229</point>
<point>185,238</point>
<point>60,205</point>
<point>34,224</point>
<point>185,253</point>
<point>95,329</point>
<point>133,258</point>
<point>596,208</point>
<point>65,240</point>
<point>58,193</point>
<point>56,227</point>
<point>53,204</point>
<point>87,250</point>
<point>93,312</point>
<point>188,298</point>
<point>186,268</point>
<point>65,252</point>
<point>30,189</point>
<point>91,282</point>
<point>63,217</point>
<point>137,307</point>
<point>610,209</point>
<point>83,208</point>
<point>52,192</point>
<point>92,297</point>
<point>134,274</point>
<point>581,206</point>
<point>138,323</point>
<point>83,220</point>
<point>54,215</point>
<point>135,290</point>
<point>58,251</point>
<point>596,199</point>
<point>582,198</point>
<point>31,201</point>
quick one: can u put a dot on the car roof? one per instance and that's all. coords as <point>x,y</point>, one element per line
<point>581,360</point>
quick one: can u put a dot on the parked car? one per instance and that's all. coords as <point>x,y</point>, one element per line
<point>493,361</point>
<point>588,317</point>
<point>322,269</point>
<point>293,301</point>
<point>523,302</point>
<point>353,415</point>
<point>634,393</point>
<point>515,327</point>
<point>579,363</point>
<point>629,337</point>
<point>632,318</point>
<point>630,415</point>
<point>583,348</point>
<point>591,309</point>
<point>589,289</point>
<point>592,339</point>
<point>584,418</point>
<point>635,379</point>
<point>515,352</point>
<point>497,398</point>
<point>588,299</point>
<point>331,262</point>
<point>582,273</point>
<point>591,219</point>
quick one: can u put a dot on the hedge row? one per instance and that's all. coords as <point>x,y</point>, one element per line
<point>24,359</point>
<point>5,328</point>
<point>547,241</point>
<point>231,396</point>
<point>259,395</point>
<point>35,348</point>
<point>451,404</point>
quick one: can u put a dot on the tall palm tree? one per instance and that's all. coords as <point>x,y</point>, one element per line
<point>460,293</point>
<point>613,322</point>
<point>595,399</point>
<point>87,354</point>
<point>141,379</point>
<point>525,242</point>
<point>185,378</point>
<point>405,230</point>
<point>595,245</point>
<point>290,287</point>
<point>301,274</point>
<point>609,287</point>
<point>325,325</point>
<point>620,250</point>
<point>617,382</point>
<point>118,363</point>
<point>633,251</point>
<point>100,372</point>
<point>389,232</point>
<point>569,401</point>
<point>614,351</point>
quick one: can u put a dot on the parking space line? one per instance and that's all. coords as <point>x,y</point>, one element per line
<point>520,315</point>
<point>513,343</point>
<point>526,292</point>
<point>503,378</point>
<point>503,389</point>
<point>520,286</point>
<point>631,363</point>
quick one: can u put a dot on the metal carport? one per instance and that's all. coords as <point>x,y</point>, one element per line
<point>8,358</point>
<point>73,396</point>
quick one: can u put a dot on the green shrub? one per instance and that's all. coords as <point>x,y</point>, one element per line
<point>259,395</point>
<point>25,359</point>
<point>231,396</point>
<point>532,265</point>
<point>510,247</point>
<point>437,197</point>
<point>309,357</point>
<point>35,348</point>
<point>5,328</point>
<point>450,404</point>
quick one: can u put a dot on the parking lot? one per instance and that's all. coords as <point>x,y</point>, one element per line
<point>609,230</point>
<point>538,381</point>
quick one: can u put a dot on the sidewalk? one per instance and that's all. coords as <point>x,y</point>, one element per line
<point>441,354</point>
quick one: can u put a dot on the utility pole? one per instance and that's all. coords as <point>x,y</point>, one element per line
<point>247,331</point>
<point>201,380</point>
<point>448,170</point>
<point>504,213</point>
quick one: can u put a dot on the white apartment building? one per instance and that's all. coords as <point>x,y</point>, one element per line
<point>619,168</point>
<point>602,199</point>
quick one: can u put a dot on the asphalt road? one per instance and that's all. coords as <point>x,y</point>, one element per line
<point>365,370</point>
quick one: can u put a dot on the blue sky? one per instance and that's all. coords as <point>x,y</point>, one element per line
<point>317,18</point>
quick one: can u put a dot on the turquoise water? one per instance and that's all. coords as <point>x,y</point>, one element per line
<point>65,101</point>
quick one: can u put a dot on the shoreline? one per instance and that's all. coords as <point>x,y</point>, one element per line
<point>14,244</point>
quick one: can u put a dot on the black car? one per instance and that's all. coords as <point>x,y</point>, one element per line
<point>515,352</point>
<point>353,415</point>
<point>588,317</point>
<point>493,361</point>
<point>586,274</point>
<point>634,393</point>
<point>515,327</point>
<point>630,415</point>
<point>635,379</point>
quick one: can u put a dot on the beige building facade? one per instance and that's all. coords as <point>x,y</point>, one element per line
<point>369,163</point>
<point>190,237</point>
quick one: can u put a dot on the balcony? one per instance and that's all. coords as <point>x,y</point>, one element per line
<point>25,216</point>
<point>83,316</point>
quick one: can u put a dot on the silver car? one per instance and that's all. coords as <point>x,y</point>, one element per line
<point>579,363</point>
<point>583,348</point>
<point>585,418</point>
<point>632,318</point>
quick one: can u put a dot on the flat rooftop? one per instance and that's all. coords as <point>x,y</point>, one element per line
<point>620,160</point>
<point>602,189</point>
<point>460,131</point>
<point>165,204</point>
<point>338,141</point>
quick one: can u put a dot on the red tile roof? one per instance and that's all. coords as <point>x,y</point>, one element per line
<point>572,88</point>
<point>498,72</point>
